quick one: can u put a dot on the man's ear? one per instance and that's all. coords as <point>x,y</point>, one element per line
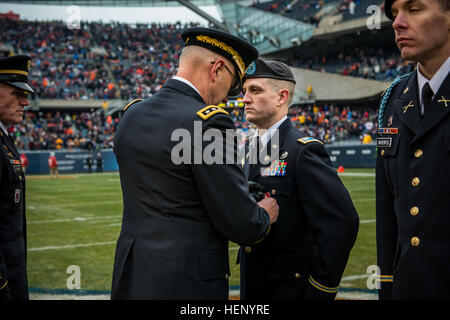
<point>284,96</point>
<point>215,69</point>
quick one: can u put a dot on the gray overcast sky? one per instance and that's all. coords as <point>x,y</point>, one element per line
<point>106,14</point>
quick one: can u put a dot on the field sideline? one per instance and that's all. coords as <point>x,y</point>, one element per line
<point>76,220</point>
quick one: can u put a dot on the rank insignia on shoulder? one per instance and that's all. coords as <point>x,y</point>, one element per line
<point>131,103</point>
<point>306,140</point>
<point>209,111</point>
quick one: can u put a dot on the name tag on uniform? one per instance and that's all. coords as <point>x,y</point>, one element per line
<point>384,142</point>
<point>17,196</point>
<point>277,168</point>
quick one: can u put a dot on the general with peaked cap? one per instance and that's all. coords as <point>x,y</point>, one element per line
<point>180,209</point>
<point>305,253</point>
<point>14,88</point>
<point>413,157</point>
<point>238,51</point>
<point>14,71</point>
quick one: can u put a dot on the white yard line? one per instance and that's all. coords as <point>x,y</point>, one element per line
<point>357,174</point>
<point>79,219</point>
<point>71,246</point>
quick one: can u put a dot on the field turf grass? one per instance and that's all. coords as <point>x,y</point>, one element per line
<point>76,220</point>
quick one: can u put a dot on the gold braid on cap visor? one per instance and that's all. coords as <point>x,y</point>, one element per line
<point>236,57</point>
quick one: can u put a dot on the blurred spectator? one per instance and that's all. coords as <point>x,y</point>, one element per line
<point>89,163</point>
<point>24,162</point>
<point>53,166</point>
<point>99,162</point>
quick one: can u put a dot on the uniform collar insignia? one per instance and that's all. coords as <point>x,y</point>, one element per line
<point>445,101</point>
<point>409,105</point>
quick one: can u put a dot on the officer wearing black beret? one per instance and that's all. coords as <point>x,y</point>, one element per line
<point>306,251</point>
<point>413,157</point>
<point>14,90</point>
<point>180,212</point>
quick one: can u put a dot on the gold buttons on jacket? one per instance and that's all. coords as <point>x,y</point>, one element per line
<point>274,191</point>
<point>297,275</point>
<point>382,153</point>
<point>415,241</point>
<point>418,153</point>
<point>414,211</point>
<point>415,182</point>
<point>248,249</point>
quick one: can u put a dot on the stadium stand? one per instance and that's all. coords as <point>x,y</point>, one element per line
<point>71,131</point>
<point>367,62</point>
<point>104,61</point>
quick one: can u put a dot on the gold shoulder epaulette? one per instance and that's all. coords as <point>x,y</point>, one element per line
<point>131,103</point>
<point>306,140</point>
<point>209,111</point>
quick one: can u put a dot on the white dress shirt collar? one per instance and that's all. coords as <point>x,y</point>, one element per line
<point>268,134</point>
<point>186,82</point>
<point>435,82</point>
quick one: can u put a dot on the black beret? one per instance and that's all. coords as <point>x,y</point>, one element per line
<point>238,51</point>
<point>387,8</point>
<point>14,71</point>
<point>269,69</point>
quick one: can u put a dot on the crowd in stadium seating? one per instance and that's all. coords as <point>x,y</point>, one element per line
<point>68,130</point>
<point>309,11</point>
<point>141,57</point>
<point>137,60</point>
<point>366,62</point>
<point>328,123</point>
<point>302,10</point>
<point>93,130</point>
<point>63,65</point>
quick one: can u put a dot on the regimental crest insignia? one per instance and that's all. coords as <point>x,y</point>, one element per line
<point>251,69</point>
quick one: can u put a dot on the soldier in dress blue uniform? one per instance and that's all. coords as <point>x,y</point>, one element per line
<point>14,89</point>
<point>306,251</point>
<point>413,157</point>
<point>179,215</point>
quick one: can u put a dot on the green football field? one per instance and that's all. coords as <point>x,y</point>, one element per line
<point>75,221</point>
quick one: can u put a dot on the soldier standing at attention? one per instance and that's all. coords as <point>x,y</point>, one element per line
<point>14,89</point>
<point>413,158</point>
<point>306,252</point>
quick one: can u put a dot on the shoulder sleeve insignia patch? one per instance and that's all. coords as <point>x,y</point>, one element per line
<point>131,103</point>
<point>306,140</point>
<point>209,111</point>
